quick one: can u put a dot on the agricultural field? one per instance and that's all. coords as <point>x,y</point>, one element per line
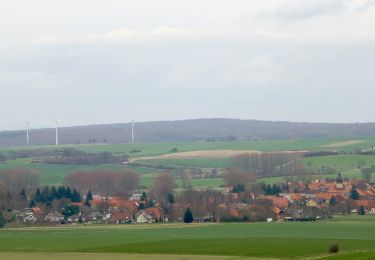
<point>294,240</point>
<point>204,155</point>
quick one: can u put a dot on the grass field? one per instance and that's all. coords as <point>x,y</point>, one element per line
<point>261,240</point>
<point>151,149</point>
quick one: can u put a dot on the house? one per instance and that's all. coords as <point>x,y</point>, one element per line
<point>136,197</point>
<point>143,217</point>
<point>121,217</point>
<point>31,215</point>
<point>156,213</point>
<point>54,217</point>
<point>312,203</point>
<point>369,205</point>
<point>97,217</point>
<point>30,218</point>
<point>277,213</point>
<point>75,218</point>
<point>279,202</point>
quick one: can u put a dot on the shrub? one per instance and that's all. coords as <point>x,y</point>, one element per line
<point>333,248</point>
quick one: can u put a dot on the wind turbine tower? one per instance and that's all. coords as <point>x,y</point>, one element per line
<point>57,132</point>
<point>132,130</point>
<point>27,133</point>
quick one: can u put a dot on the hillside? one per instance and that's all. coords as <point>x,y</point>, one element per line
<point>190,130</point>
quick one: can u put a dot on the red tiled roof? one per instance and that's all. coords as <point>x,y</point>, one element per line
<point>278,201</point>
<point>120,216</point>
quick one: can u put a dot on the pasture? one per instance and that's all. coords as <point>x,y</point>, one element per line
<point>293,240</point>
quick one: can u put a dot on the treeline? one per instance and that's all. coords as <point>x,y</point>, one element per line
<point>104,182</point>
<point>48,195</point>
<point>269,164</point>
<point>18,179</point>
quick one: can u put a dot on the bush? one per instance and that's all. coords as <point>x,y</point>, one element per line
<point>333,248</point>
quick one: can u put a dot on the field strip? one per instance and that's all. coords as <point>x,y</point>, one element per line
<point>207,154</point>
<point>112,256</point>
<point>343,144</point>
<point>106,226</point>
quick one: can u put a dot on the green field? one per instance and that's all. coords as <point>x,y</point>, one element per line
<point>192,162</point>
<point>262,240</point>
<point>51,174</point>
<point>151,149</point>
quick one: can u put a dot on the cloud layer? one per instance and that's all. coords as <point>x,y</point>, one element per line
<point>286,61</point>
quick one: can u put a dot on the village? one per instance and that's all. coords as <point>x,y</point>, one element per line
<point>316,200</point>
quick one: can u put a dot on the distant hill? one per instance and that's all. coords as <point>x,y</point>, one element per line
<point>190,130</point>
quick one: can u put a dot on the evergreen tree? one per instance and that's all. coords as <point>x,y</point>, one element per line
<point>68,193</point>
<point>188,217</point>
<point>54,192</point>
<point>32,204</point>
<point>23,194</point>
<point>38,195</point>
<point>89,195</point>
<point>332,201</point>
<point>354,195</point>
<point>76,196</point>
<point>150,204</point>
<point>171,199</point>
<point>141,206</point>
<point>144,196</point>
<point>2,220</point>
<point>361,210</point>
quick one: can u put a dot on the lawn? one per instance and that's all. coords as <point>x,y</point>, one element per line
<point>277,240</point>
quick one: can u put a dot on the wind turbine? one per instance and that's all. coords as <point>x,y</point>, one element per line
<point>57,132</point>
<point>27,132</point>
<point>132,125</point>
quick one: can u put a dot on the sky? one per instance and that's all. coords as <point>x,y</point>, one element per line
<point>90,62</point>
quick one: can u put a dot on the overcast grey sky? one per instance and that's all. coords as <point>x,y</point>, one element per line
<point>91,61</point>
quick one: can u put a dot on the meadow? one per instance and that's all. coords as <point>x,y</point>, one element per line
<point>355,235</point>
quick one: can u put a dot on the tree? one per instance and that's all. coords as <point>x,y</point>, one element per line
<point>188,217</point>
<point>70,210</point>
<point>104,182</point>
<point>89,195</point>
<point>2,220</point>
<point>76,196</point>
<point>361,210</point>
<point>23,194</point>
<point>354,195</point>
<point>163,185</point>
<point>171,199</point>
<point>144,196</point>
<point>332,201</point>
<point>235,177</point>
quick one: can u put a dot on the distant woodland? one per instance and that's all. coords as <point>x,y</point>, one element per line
<point>190,130</point>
